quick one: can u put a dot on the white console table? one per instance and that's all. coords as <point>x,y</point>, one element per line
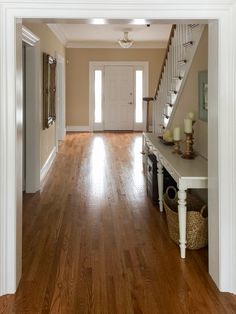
<point>187,174</point>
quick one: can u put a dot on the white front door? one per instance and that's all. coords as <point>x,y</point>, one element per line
<point>119,98</point>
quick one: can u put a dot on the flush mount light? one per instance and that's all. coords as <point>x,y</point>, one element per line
<point>139,21</point>
<point>125,42</point>
<point>97,21</point>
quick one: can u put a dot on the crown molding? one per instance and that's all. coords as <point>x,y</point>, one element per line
<point>28,37</point>
<point>115,45</point>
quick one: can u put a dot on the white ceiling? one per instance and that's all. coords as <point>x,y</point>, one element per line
<point>90,35</point>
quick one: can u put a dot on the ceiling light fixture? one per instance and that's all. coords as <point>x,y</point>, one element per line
<point>125,42</point>
<point>97,21</point>
<point>139,21</point>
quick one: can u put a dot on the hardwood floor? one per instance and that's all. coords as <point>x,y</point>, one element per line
<point>94,243</point>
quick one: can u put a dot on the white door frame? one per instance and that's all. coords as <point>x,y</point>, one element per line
<point>33,105</point>
<point>100,65</point>
<point>222,115</point>
<point>60,129</point>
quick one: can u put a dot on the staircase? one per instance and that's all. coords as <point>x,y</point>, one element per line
<point>181,48</point>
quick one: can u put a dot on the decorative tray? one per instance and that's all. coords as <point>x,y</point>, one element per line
<point>164,142</point>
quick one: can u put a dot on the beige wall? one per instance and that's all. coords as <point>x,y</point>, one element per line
<point>49,44</point>
<point>189,98</point>
<point>77,76</point>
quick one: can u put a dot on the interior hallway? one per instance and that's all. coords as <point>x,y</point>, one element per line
<point>94,243</point>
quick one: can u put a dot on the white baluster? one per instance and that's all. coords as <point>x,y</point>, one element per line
<point>172,62</point>
<point>178,51</point>
<point>175,54</point>
<point>185,39</point>
<point>169,72</point>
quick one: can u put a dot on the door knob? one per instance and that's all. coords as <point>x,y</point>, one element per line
<point>130,103</point>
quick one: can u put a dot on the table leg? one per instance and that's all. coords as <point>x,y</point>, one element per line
<point>182,211</point>
<point>160,184</point>
<point>143,144</point>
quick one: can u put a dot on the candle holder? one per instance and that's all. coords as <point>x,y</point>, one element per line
<point>194,153</point>
<point>189,153</point>
<point>177,148</point>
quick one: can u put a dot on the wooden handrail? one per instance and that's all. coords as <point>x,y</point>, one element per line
<point>165,58</point>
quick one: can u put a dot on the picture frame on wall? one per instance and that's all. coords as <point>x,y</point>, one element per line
<point>203,95</point>
<point>49,90</point>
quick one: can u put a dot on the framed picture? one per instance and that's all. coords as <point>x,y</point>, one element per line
<point>49,90</point>
<point>203,95</point>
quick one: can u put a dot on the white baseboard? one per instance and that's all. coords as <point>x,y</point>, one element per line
<point>85,128</point>
<point>77,128</point>
<point>48,164</point>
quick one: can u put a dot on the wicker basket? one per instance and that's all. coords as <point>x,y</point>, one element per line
<point>197,221</point>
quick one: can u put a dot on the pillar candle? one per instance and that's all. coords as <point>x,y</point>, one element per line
<point>176,134</point>
<point>191,115</point>
<point>187,125</point>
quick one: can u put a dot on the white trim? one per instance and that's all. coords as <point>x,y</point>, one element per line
<point>10,98</point>
<point>114,45</point>
<point>3,166</point>
<point>33,111</point>
<point>29,37</point>
<point>132,5</point>
<point>213,154</point>
<point>226,149</point>
<point>60,99</point>
<point>77,128</point>
<point>232,272</point>
<point>100,65</point>
<point>48,164</point>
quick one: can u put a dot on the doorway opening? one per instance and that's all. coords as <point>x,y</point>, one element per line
<point>216,170</point>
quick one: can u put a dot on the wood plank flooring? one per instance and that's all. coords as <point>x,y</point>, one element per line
<point>94,243</point>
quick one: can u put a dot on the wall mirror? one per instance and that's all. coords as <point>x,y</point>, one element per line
<point>49,90</point>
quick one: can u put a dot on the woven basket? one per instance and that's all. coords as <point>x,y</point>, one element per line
<point>197,221</point>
